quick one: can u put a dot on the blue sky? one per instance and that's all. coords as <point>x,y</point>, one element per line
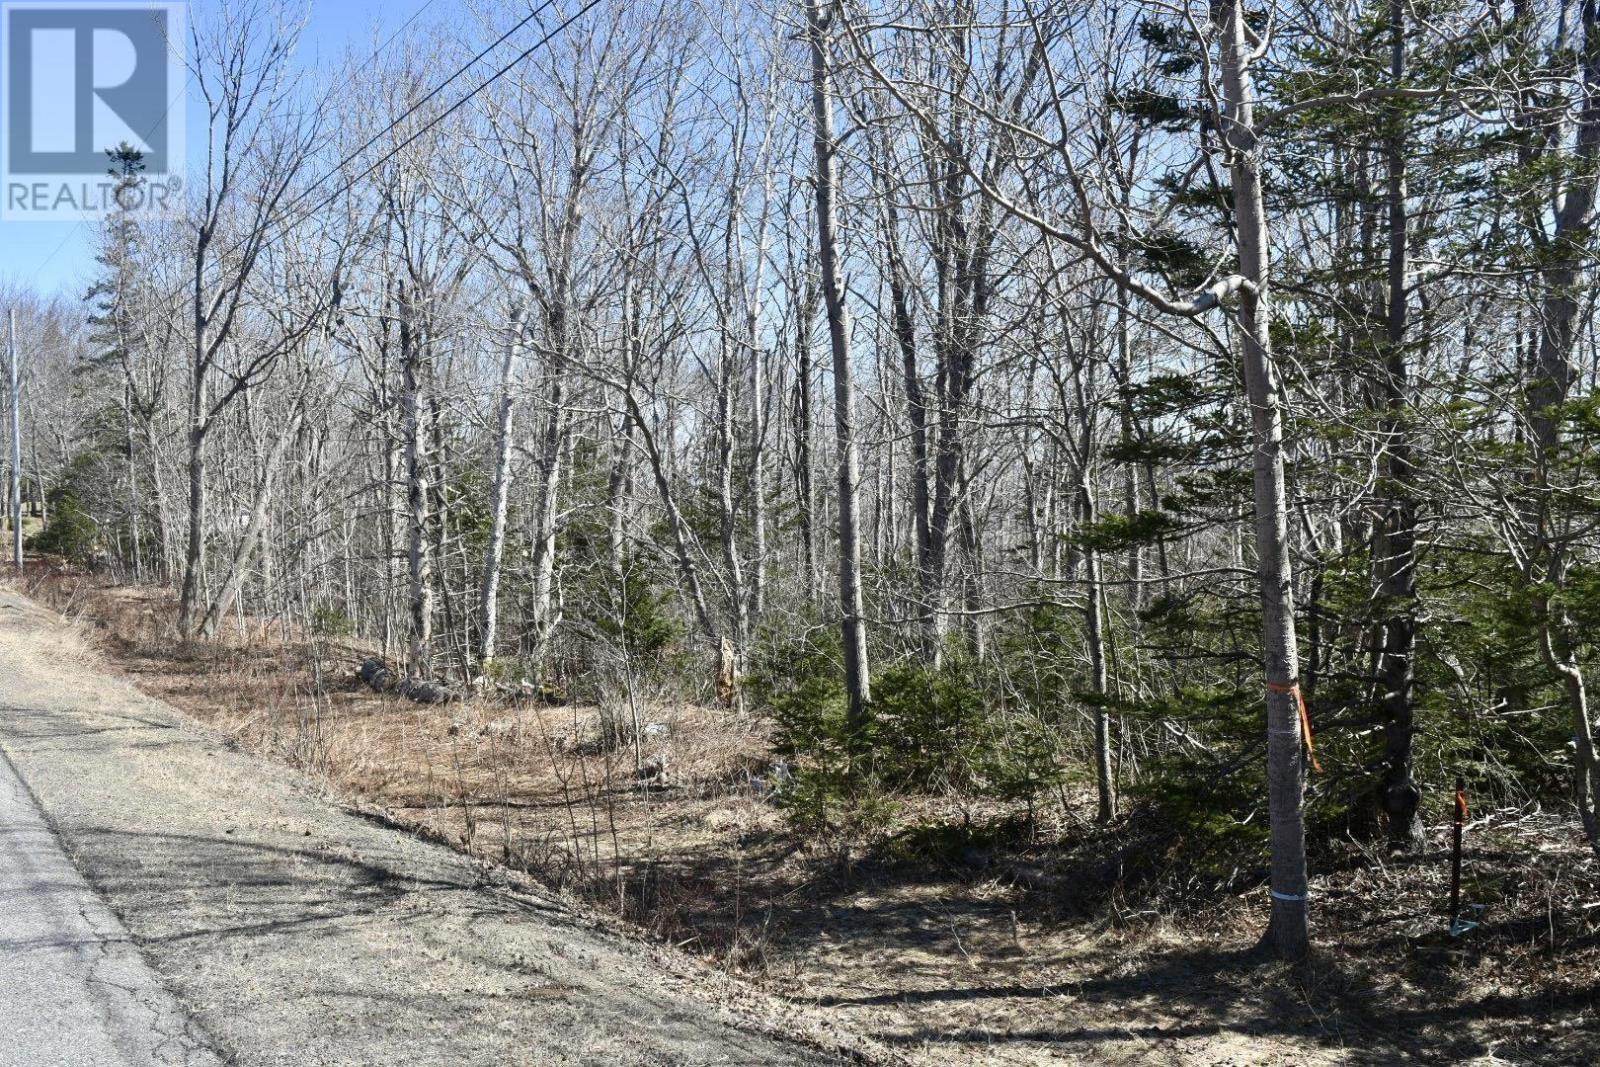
<point>58,257</point>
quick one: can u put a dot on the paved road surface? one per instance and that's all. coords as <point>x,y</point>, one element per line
<point>74,991</point>
<point>292,931</point>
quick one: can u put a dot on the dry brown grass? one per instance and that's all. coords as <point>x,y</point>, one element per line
<point>953,960</point>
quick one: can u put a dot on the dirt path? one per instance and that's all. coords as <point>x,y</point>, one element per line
<point>297,932</point>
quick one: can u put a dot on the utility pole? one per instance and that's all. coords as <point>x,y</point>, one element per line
<point>16,452</point>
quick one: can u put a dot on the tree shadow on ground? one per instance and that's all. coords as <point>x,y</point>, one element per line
<point>271,888</point>
<point>919,934</point>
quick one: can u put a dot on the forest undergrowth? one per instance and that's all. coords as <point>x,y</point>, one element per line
<point>958,930</point>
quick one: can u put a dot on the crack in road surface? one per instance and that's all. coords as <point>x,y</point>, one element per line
<point>74,992</point>
<point>291,931</point>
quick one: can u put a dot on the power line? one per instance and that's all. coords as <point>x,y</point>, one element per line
<point>343,83</point>
<point>435,91</point>
<point>432,122</point>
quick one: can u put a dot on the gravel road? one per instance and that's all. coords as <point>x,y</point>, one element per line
<point>292,931</point>
<point>73,988</point>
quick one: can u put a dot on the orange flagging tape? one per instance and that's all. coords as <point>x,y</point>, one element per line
<point>1461,807</point>
<point>1305,717</point>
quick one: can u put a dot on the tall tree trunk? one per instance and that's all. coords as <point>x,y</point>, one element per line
<point>1094,611</point>
<point>489,594</point>
<point>412,371</point>
<point>1094,608</point>
<point>239,566</point>
<point>194,553</point>
<point>803,462</point>
<point>757,475</point>
<point>1553,378</point>
<point>728,525</point>
<point>135,533</point>
<point>199,424</point>
<point>158,486</point>
<point>929,579</point>
<point>546,501</point>
<point>1287,930</point>
<point>619,490</point>
<point>683,549</point>
<point>16,451</point>
<point>1401,797</point>
<point>858,684</point>
<point>458,642</point>
<point>388,507</point>
<point>36,506</point>
<point>972,582</point>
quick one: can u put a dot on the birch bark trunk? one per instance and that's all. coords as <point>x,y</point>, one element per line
<point>489,594</point>
<point>545,503</point>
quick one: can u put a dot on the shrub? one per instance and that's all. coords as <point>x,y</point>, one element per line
<point>329,621</point>
<point>70,531</point>
<point>944,731</point>
<point>831,785</point>
<point>933,729</point>
<point>927,731</point>
<point>640,621</point>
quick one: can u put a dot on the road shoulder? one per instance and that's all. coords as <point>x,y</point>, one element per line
<point>298,932</point>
